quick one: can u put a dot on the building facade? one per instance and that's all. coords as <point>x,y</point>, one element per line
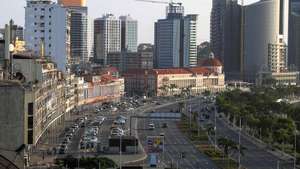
<point>107,37</point>
<point>106,86</point>
<point>175,39</point>
<point>261,31</point>
<point>78,29</point>
<point>164,82</point>
<point>294,36</point>
<point>126,60</point>
<point>277,56</point>
<point>129,33</point>
<point>72,2</point>
<point>90,40</point>
<point>47,24</point>
<point>190,41</point>
<point>225,33</point>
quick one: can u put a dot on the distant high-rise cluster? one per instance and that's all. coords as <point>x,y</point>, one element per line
<point>250,39</point>
<point>176,39</point>
<point>113,35</point>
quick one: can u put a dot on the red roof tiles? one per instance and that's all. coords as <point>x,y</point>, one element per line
<point>211,62</point>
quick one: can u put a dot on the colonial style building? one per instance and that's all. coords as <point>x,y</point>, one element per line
<point>162,82</point>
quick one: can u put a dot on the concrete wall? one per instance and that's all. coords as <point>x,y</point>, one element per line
<point>12,125</point>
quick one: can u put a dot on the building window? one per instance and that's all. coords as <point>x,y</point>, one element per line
<point>30,137</point>
<point>30,109</point>
<point>30,122</point>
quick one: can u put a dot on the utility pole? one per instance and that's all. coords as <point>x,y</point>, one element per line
<point>240,129</point>
<point>215,128</point>
<point>99,164</point>
<point>120,158</point>
<point>295,148</point>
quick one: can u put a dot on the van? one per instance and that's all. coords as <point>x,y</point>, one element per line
<point>152,161</point>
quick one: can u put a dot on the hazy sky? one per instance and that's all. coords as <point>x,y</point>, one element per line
<point>145,13</point>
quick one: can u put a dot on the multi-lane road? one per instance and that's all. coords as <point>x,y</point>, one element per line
<point>256,156</point>
<point>175,144</point>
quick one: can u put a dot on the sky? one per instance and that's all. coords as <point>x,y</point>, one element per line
<point>145,13</point>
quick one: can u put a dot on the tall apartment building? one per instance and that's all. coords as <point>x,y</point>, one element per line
<point>107,37</point>
<point>294,35</point>
<point>225,34</point>
<point>78,29</point>
<point>90,40</point>
<point>175,39</point>
<point>277,56</point>
<point>47,24</point>
<point>129,33</point>
<point>190,41</point>
<point>265,23</point>
<point>216,26</point>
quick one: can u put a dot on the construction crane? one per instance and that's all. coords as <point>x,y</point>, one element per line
<point>160,2</point>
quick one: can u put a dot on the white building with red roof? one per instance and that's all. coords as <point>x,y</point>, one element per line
<point>163,82</point>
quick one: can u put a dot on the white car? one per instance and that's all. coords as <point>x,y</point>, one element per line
<point>151,126</point>
<point>94,140</point>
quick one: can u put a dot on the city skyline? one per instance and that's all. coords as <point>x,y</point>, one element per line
<point>124,7</point>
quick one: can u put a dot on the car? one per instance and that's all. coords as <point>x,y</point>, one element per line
<point>162,134</point>
<point>117,132</point>
<point>61,151</point>
<point>151,126</point>
<point>94,140</point>
<point>164,125</point>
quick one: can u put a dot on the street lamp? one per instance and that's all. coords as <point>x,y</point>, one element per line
<point>11,49</point>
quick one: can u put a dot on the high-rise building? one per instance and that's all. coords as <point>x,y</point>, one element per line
<point>107,37</point>
<point>175,39</point>
<point>129,33</point>
<point>265,23</point>
<point>79,29</point>
<point>47,30</point>
<point>216,26</point>
<point>226,35</point>
<point>190,41</point>
<point>294,35</point>
<point>90,40</point>
<point>18,32</point>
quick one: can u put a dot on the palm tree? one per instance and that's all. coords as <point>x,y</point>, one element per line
<point>172,87</point>
<point>230,147</point>
<point>227,145</point>
<point>164,88</point>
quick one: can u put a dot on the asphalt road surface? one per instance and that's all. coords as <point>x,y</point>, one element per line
<point>175,144</point>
